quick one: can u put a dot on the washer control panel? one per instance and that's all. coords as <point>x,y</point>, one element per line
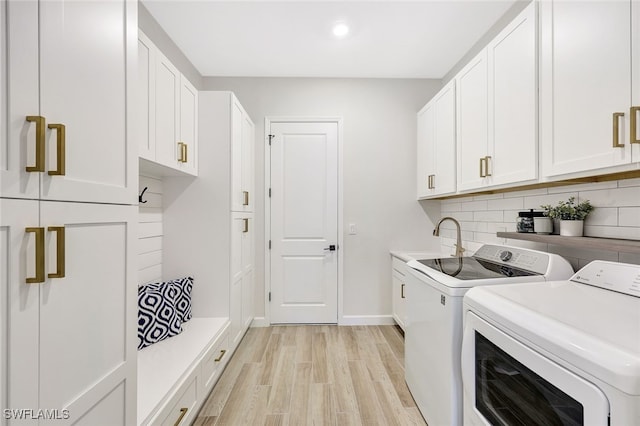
<point>515,257</point>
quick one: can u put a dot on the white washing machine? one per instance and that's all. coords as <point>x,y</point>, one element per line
<point>564,352</point>
<point>433,335</point>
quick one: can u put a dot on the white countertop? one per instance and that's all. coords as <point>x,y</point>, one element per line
<point>406,256</point>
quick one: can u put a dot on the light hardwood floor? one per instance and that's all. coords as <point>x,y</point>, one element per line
<point>314,375</point>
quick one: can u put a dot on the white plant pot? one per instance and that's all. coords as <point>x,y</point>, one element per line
<point>543,225</point>
<point>571,228</point>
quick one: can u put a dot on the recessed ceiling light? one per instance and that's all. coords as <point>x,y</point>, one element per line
<point>340,30</point>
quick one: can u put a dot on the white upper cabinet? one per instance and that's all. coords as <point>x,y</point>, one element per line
<point>586,82</point>
<point>62,144</point>
<point>168,111</point>
<point>436,147</point>
<point>242,158</point>
<point>496,109</point>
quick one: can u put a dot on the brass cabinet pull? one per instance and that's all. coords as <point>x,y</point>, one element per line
<point>60,149</point>
<point>185,147</point>
<point>245,198</point>
<point>39,278</point>
<point>183,152</point>
<point>246,225</point>
<point>634,124</point>
<point>222,352</point>
<point>40,133</point>
<point>60,251</point>
<point>183,412</point>
<point>487,159</point>
<point>482,160</point>
<point>429,182</point>
<point>616,130</point>
<point>433,181</point>
<point>402,291</point>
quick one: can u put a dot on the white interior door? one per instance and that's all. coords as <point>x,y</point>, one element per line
<point>304,222</point>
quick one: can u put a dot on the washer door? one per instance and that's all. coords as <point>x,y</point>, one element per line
<point>506,382</point>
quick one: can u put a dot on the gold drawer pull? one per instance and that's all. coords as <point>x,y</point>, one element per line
<point>402,291</point>
<point>183,412</point>
<point>246,225</point>
<point>634,124</point>
<point>40,133</point>
<point>616,129</point>
<point>60,251</point>
<point>482,160</point>
<point>60,149</point>
<point>245,198</point>
<point>183,152</point>
<point>222,352</point>
<point>39,278</point>
<point>487,159</point>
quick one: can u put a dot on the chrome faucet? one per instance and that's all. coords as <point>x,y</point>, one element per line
<point>436,233</point>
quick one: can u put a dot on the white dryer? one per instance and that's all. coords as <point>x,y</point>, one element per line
<point>563,352</point>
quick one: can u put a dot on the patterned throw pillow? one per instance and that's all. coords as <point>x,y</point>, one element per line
<point>183,286</point>
<point>157,315</point>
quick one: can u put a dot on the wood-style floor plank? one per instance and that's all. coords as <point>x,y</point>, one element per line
<point>314,375</point>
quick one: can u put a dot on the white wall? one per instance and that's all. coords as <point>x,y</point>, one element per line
<point>379,171</point>
<point>150,231</point>
<point>616,215</point>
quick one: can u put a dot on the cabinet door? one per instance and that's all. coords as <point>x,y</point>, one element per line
<point>87,359</point>
<point>85,84</point>
<point>237,196</point>
<point>167,111</point>
<point>248,180</point>
<point>444,150</point>
<point>471,135</point>
<point>19,305</point>
<point>424,150</point>
<point>247,299</point>
<point>585,77</point>
<point>397,298</point>
<point>635,68</point>
<point>18,141</point>
<point>235,302</point>
<point>146,97</point>
<point>188,127</point>
<point>513,144</point>
<point>248,259</point>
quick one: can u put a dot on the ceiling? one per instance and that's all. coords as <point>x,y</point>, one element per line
<point>387,39</point>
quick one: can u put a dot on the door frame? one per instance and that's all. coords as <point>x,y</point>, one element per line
<point>267,206</point>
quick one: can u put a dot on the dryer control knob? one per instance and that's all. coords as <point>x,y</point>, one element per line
<point>506,255</point>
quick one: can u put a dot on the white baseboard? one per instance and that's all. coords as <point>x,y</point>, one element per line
<point>260,322</point>
<point>366,320</point>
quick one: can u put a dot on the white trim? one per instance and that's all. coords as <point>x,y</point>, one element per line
<point>267,209</point>
<point>366,320</point>
<point>260,322</point>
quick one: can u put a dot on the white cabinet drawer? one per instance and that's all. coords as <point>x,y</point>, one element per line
<point>182,411</point>
<point>214,361</point>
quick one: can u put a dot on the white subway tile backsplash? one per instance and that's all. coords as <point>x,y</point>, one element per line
<point>629,216</point>
<point>506,204</point>
<point>617,215</point>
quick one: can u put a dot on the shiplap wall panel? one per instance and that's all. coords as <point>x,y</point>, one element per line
<point>150,231</point>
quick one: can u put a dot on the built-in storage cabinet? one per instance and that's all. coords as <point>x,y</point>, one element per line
<point>68,134</point>
<point>242,159</point>
<point>589,79</point>
<point>168,106</point>
<point>68,268</point>
<point>242,260</point>
<point>496,109</point>
<point>436,146</point>
<point>398,299</point>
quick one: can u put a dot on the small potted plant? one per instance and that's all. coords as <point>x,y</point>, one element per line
<point>571,216</point>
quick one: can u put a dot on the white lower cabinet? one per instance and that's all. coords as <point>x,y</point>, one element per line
<point>242,257</point>
<point>69,318</point>
<point>398,299</point>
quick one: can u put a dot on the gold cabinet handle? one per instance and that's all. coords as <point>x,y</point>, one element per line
<point>433,181</point>
<point>402,291</point>
<point>39,278</point>
<point>60,149</point>
<point>482,160</point>
<point>40,133</point>
<point>185,147</point>
<point>616,129</point>
<point>60,251</point>
<point>183,152</point>
<point>246,225</point>
<point>487,160</point>
<point>222,352</point>
<point>634,124</point>
<point>183,412</point>
<point>245,198</point>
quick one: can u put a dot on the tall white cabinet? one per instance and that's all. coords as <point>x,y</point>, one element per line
<point>68,179</point>
<point>215,241</point>
<point>497,109</point>
<point>589,85</point>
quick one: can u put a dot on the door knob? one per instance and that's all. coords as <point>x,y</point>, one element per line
<point>332,247</point>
